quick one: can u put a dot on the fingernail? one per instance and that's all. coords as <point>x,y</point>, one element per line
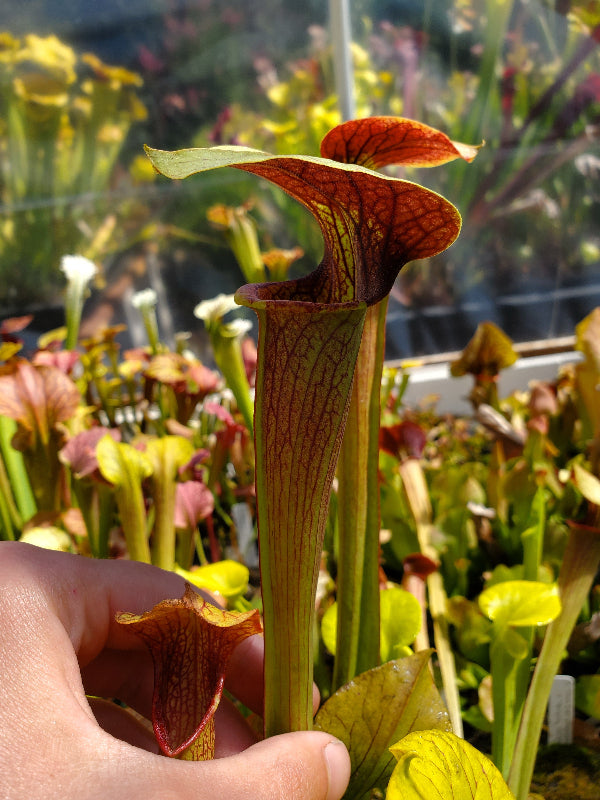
<point>338,769</point>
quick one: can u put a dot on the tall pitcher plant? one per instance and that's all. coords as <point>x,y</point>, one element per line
<point>310,333</point>
<point>374,143</point>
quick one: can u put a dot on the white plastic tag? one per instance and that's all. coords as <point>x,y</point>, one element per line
<point>561,710</point>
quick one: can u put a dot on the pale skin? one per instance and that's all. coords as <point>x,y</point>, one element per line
<point>59,642</point>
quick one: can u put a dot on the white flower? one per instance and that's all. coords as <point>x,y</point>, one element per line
<point>78,269</point>
<point>215,309</point>
<point>144,300</point>
<point>239,327</point>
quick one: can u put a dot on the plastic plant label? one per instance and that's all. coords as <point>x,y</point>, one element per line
<point>561,708</point>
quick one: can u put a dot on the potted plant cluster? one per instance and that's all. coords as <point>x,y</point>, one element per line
<point>402,557</point>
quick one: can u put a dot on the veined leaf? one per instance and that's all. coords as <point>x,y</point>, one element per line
<point>437,765</point>
<point>377,708</point>
<point>309,336</point>
<point>376,142</point>
<point>191,642</point>
<point>371,224</point>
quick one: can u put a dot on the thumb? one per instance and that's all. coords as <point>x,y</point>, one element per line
<point>307,765</point>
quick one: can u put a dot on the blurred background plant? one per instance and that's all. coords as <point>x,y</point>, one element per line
<point>523,76</point>
<point>505,495</point>
<point>64,118</point>
<point>141,453</point>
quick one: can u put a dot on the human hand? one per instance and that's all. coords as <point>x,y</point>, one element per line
<point>59,641</point>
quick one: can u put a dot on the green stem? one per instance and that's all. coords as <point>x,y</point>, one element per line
<point>106,515</point>
<point>533,537</point>
<point>74,299</point>
<point>87,501</point>
<point>184,549</point>
<point>130,501</point>
<point>228,357</point>
<point>417,494</point>
<point>151,327</point>
<point>163,536</point>
<point>97,505</point>
<point>15,468</point>
<point>510,656</point>
<point>577,573</point>
<point>357,647</point>
<point>445,654</point>
<point>6,524</point>
<point>511,669</point>
<point>45,471</point>
<point>243,240</point>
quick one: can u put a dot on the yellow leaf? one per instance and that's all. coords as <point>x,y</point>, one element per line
<point>437,765</point>
<point>521,603</point>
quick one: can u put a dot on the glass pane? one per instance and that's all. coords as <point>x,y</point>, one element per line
<point>84,85</point>
<point>518,74</point>
<point>524,78</point>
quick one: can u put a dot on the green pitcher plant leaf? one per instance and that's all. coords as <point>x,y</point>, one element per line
<point>226,578</point>
<point>578,570</point>
<point>121,463</point>
<point>400,623</point>
<point>521,603</point>
<point>486,354</point>
<point>374,142</point>
<point>376,709</point>
<point>167,455</point>
<point>358,515</point>
<point>40,399</point>
<point>191,642</point>
<point>125,468</point>
<point>587,483</point>
<point>309,336</point>
<point>587,695</point>
<point>437,765</point>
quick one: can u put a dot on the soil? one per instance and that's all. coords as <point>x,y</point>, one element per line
<point>567,772</point>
